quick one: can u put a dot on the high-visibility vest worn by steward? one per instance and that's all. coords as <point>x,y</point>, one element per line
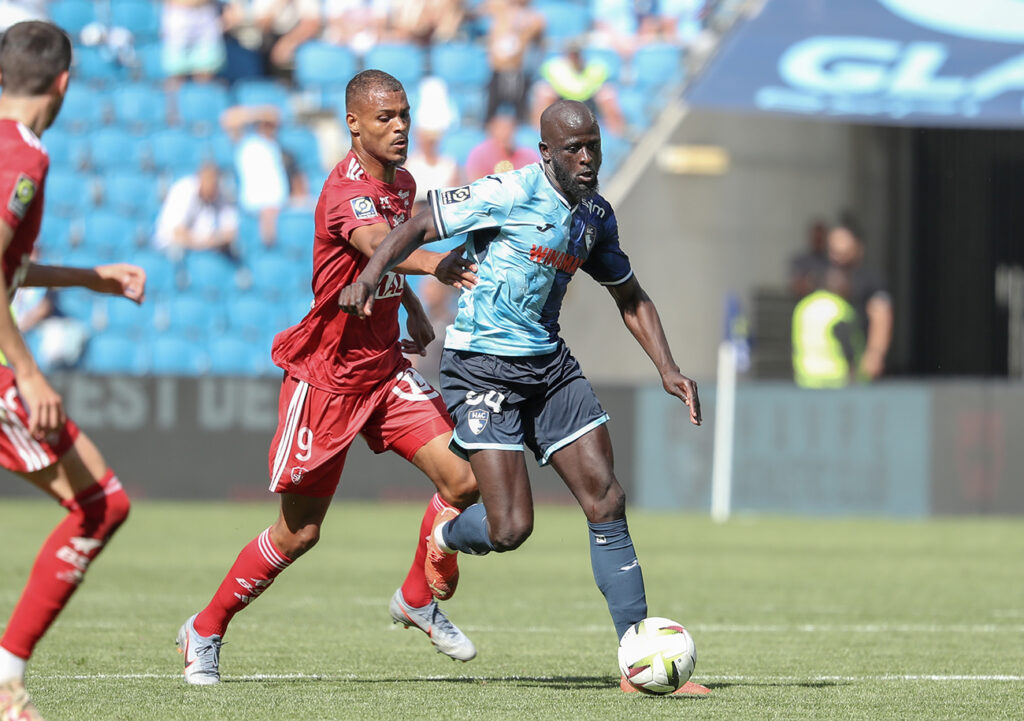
<point>818,357</point>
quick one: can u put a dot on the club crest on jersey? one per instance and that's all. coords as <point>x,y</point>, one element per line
<point>477,420</point>
<point>589,236</point>
<point>21,197</point>
<point>363,208</point>
<point>455,195</point>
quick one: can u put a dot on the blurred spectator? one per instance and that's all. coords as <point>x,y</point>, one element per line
<point>429,167</point>
<point>514,29</point>
<point>192,43</point>
<point>259,163</point>
<point>498,153</point>
<point>263,35</point>
<point>807,269</point>
<point>16,11</point>
<point>681,21</point>
<point>625,25</point>
<point>299,195</point>
<point>356,24</point>
<point>828,342</point>
<point>425,21</point>
<point>571,77</point>
<point>196,216</point>
<point>867,294</point>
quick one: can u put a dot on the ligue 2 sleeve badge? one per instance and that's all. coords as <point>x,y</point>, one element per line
<point>21,197</point>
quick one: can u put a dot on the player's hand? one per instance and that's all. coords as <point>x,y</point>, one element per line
<point>685,390</point>
<point>456,270</point>
<point>421,334</point>
<point>121,279</point>
<point>45,406</point>
<point>357,299</point>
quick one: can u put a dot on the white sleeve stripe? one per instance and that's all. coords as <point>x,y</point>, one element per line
<point>435,207</point>
<point>620,281</point>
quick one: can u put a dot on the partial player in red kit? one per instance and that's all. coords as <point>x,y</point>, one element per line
<point>345,377</point>
<point>37,441</point>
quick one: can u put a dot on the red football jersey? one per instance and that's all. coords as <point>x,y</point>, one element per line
<point>22,176</point>
<point>329,349</point>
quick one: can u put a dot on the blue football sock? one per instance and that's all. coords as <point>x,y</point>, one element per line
<point>467,532</point>
<point>617,572</point>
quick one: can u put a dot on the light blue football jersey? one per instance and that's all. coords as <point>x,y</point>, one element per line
<point>527,243</point>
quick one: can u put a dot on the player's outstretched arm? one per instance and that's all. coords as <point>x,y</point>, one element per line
<point>449,268</point>
<point>45,406</point>
<point>642,319</point>
<point>115,279</point>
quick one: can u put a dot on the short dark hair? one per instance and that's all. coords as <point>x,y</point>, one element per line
<point>32,55</point>
<point>367,81</point>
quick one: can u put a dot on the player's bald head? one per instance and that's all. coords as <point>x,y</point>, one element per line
<point>564,118</point>
<point>368,85</point>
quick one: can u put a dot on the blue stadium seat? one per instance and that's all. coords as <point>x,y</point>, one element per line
<point>470,102</point>
<point>112,148</point>
<point>97,65</point>
<point>191,315</point>
<point>151,63</point>
<point>200,104</point>
<point>295,233</point>
<point>460,65</point>
<point>231,354</point>
<point>124,316</point>
<point>83,108</point>
<point>211,274</point>
<point>527,136</point>
<point>633,102</point>
<point>608,57</point>
<point>219,148</point>
<point>68,193</point>
<point>161,273</point>
<point>139,105</point>
<point>114,353</point>
<point>405,62</point>
<point>141,17</point>
<point>175,150</point>
<point>72,15</point>
<point>459,142</point>
<point>278,277</point>
<point>174,355</point>
<point>78,302</point>
<point>658,67</point>
<point>302,144</point>
<point>131,192</point>
<point>110,235</point>
<point>563,21</point>
<point>253,315</point>
<point>319,65</point>
<point>54,238</point>
<point>264,92</point>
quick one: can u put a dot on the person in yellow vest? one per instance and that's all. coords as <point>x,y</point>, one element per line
<point>827,337</point>
<point>572,77</point>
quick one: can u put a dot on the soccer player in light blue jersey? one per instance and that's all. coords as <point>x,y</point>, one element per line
<point>508,379</point>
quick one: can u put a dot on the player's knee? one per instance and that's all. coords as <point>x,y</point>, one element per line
<point>607,505</point>
<point>510,536</point>
<point>462,493</point>
<point>295,543</point>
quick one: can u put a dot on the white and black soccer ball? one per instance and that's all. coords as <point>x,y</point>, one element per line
<point>657,655</point>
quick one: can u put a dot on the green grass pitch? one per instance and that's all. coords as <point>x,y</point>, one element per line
<point>793,619</point>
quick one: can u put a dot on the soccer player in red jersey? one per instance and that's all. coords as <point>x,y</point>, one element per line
<point>37,441</point>
<point>344,377</point>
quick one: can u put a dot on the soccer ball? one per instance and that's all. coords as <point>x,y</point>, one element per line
<point>657,655</point>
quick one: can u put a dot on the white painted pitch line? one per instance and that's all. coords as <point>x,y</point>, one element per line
<point>780,628</point>
<point>710,679</point>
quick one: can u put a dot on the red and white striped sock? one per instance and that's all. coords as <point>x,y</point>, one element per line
<point>415,589</point>
<point>254,570</point>
<point>93,516</point>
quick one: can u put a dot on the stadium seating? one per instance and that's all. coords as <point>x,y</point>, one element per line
<point>609,58</point>
<point>295,233</point>
<point>109,235</point>
<point>122,316</point>
<point>97,65</point>
<point>174,355</point>
<point>658,67</point>
<point>405,62</point>
<point>139,106</point>
<point>175,150</point>
<point>112,149</point>
<point>141,17</point>
<point>231,354</point>
<point>190,315</point>
<point>264,92</point>
<point>72,15</point>
<point>320,65</point>
<point>210,274</point>
<point>459,142</point>
<point>112,352</point>
<point>68,193</point>
<point>150,61</point>
<point>131,192</point>
<point>460,65</point>
<point>161,274</point>
<point>199,105</point>
<point>303,146</point>
<point>83,109</point>
<point>563,20</point>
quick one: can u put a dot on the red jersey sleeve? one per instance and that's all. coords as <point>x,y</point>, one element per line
<point>21,182</point>
<point>351,205</point>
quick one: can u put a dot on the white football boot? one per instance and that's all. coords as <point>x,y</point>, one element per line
<point>202,655</point>
<point>445,635</point>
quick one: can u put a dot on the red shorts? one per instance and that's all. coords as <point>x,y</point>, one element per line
<point>19,451</point>
<point>315,429</point>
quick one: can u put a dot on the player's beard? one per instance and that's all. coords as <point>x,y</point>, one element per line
<point>569,185</point>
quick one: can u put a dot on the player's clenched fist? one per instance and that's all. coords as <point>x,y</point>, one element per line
<point>357,299</point>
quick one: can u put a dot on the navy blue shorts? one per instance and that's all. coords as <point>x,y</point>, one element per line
<point>512,403</point>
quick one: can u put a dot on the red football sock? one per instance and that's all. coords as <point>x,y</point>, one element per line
<point>93,516</point>
<point>415,589</point>
<point>253,571</point>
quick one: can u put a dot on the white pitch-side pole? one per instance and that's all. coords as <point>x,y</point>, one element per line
<point>725,421</point>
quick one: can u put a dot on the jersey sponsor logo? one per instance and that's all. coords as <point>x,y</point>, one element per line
<point>455,195</point>
<point>403,194</point>
<point>593,207</point>
<point>589,236</point>
<point>411,386</point>
<point>555,258</point>
<point>477,420</point>
<point>363,208</point>
<point>546,226</point>
<point>391,285</point>
<point>22,195</point>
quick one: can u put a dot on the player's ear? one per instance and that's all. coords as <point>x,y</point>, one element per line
<point>60,83</point>
<point>545,151</point>
<point>352,122</point>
